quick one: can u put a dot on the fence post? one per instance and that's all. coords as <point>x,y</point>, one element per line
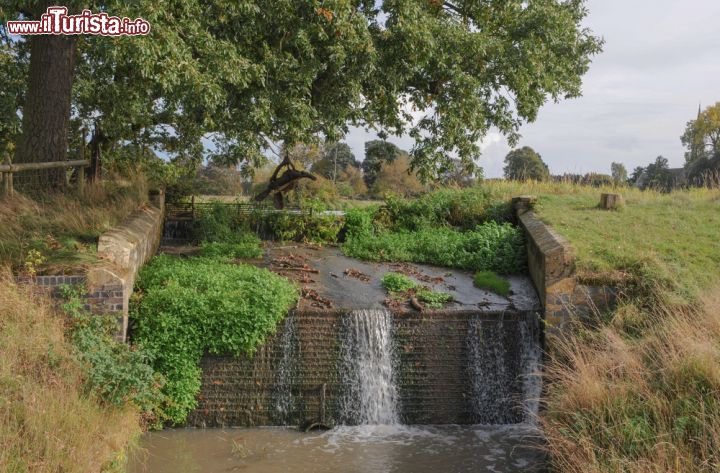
<point>81,169</point>
<point>8,184</point>
<point>81,180</point>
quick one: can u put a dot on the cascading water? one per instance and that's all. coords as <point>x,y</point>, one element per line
<point>367,367</point>
<point>503,365</point>
<point>282,392</point>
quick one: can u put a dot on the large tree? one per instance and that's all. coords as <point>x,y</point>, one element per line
<point>523,164</point>
<point>377,153</point>
<point>702,141</point>
<point>248,74</point>
<point>336,158</point>
<point>46,109</point>
<point>619,173</point>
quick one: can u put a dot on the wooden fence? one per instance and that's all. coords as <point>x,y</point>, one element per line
<point>7,171</point>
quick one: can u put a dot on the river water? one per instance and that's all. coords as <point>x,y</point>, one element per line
<point>361,449</point>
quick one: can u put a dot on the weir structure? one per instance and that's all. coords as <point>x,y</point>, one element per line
<point>477,361</point>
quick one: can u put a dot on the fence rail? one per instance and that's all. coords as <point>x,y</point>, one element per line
<point>7,171</point>
<point>193,210</point>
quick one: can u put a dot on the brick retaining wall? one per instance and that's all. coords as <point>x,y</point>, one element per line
<point>551,263</point>
<point>122,252</point>
<point>433,376</point>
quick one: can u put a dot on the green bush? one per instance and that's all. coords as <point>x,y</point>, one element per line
<point>192,306</point>
<point>396,282</point>
<point>462,208</point>
<point>250,248</point>
<point>489,246</point>
<point>287,226</point>
<point>434,300</point>
<point>492,282</point>
<point>116,373</point>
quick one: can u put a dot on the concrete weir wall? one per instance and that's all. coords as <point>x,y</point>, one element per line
<point>122,252</point>
<point>434,368</point>
<point>551,263</point>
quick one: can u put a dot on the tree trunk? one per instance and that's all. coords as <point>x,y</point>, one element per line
<point>46,114</point>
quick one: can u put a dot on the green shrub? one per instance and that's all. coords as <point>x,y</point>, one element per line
<point>434,300</point>
<point>490,246</point>
<point>116,373</point>
<point>190,306</point>
<point>492,282</point>
<point>247,249</point>
<point>396,282</point>
<point>462,208</point>
<point>286,226</point>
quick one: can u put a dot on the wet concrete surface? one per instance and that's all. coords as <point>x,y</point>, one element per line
<point>331,280</point>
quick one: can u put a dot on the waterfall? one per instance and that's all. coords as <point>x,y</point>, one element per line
<point>503,363</point>
<point>367,368</point>
<point>283,401</point>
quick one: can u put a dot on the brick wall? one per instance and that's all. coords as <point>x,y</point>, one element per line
<point>551,263</point>
<point>122,252</point>
<point>433,372</point>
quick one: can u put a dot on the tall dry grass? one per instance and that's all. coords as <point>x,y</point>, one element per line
<point>48,423</point>
<point>45,221</point>
<point>623,404</point>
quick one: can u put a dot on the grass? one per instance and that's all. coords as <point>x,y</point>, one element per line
<point>396,282</point>
<point>56,231</point>
<point>637,389</point>
<point>668,241</point>
<point>48,422</point>
<point>492,282</point>
<point>651,404</point>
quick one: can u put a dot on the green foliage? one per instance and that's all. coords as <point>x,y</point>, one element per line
<point>492,282</point>
<point>702,141</point>
<point>249,72</point>
<point>400,283</point>
<point>336,158</point>
<point>286,226</point>
<point>116,372</point>
<point>447,207</point>
<point>428,230</point>
<point>432,299</point>
<point>490,246</point>
<point>192,306</point>
<point>377,153</point>
<point>525,164</point>
<point>244,250</point>
<point>619,173</point>
<point>396,282</point>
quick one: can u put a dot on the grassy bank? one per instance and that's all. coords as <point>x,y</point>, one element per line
<point>55,231</point>
<point>659,241</point>
<point>49,421</point>
<point>637,389</point>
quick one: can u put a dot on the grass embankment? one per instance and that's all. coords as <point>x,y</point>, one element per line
<point>639,388</point>
<point>56,231</point>
<point>49,420</point>
<point>660,241</point>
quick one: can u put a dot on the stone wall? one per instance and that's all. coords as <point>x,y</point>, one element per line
<point>122,252</point>
<point>551,263</point>
<point>433,372</point>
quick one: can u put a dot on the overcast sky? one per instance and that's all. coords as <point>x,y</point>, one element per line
<point>661,59</point>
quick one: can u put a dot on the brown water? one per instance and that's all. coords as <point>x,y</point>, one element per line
<point>362,449</point>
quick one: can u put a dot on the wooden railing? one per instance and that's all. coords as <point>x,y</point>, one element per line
<point>7,171</point>
<point>193,210</point>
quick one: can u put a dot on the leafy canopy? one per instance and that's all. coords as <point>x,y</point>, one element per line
<point>245,73</point>
<point>523,164</point>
